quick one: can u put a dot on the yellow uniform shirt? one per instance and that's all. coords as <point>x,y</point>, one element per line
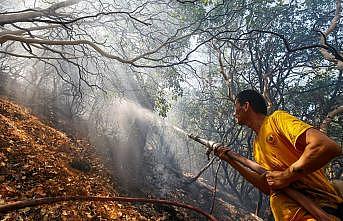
<point>274,149</point>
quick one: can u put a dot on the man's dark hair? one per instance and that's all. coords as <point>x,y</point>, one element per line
<point>256,100</point>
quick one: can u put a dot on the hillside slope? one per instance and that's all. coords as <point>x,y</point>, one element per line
<point>38,161</point>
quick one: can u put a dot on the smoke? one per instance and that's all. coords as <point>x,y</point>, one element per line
<point>142,147</point>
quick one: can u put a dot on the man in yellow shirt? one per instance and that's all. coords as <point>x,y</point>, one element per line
<point>293,153</point>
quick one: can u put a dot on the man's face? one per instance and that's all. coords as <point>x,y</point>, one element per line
<point>240,113</point>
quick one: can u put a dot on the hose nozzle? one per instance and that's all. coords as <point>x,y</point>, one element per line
<point>211,145</point>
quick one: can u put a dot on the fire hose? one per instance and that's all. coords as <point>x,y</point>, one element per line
<point>301,199</point>
<point>50,200</point>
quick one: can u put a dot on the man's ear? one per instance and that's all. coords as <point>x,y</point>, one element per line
<point>246,106</point>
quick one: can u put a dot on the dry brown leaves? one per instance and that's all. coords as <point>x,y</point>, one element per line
<point>35,162</point>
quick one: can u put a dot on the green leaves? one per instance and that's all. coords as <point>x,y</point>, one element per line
<point>162,105</point>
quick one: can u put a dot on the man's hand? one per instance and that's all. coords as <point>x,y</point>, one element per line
<point>281,179</point>
<point>220,151</point>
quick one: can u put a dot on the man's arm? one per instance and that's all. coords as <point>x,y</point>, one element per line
<point>318,149</point>
<point>254,178</point>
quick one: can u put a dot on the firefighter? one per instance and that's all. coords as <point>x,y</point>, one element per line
<point>293,153</point>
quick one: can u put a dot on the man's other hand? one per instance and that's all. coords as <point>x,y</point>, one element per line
<point>279,179</point>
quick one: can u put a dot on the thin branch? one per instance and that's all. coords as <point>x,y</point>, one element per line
<point>329,52</point>
<point>191,180</point>
<point>24,30</point>
<point>91,16</point>
<point>187,1</point>
<point>215,187</point>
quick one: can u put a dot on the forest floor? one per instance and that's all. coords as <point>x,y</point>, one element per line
<point>39,161</point>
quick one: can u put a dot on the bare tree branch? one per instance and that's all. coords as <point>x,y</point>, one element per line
<point>5,38</point>
<point>325,124</point>
<point>228,79</point>
<point>28,15</point>
<point>329,52</point>
<point>325,52</point>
